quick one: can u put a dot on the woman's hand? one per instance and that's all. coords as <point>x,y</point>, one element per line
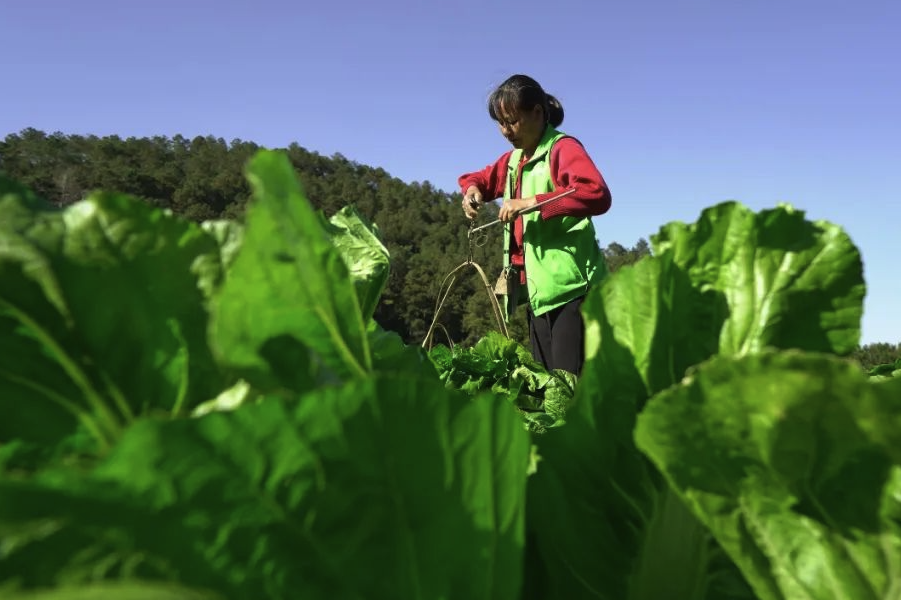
<point>511,208</point>
<point>472,201</point>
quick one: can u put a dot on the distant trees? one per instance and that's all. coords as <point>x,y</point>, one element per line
<point>619,256</point>
<point>197,178</point>
<point>870,355</point>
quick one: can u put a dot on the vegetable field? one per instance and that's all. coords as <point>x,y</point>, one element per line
<point>229,422</point>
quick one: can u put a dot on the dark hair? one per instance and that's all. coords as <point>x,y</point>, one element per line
<point>524,93</point>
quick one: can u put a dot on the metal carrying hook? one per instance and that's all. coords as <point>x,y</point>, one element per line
<point>474,230</point>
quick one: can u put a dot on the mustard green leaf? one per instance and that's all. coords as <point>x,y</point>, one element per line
<point>776,454</point>
<point>378,488</point>
<point>289,283</point>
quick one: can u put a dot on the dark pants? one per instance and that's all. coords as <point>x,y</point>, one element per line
<point>558,337</point>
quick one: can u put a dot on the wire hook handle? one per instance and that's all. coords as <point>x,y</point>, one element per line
<point>525,210</point>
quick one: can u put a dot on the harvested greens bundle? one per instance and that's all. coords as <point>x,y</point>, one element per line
<point>506,368</point>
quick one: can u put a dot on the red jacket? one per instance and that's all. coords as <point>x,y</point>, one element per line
<point>570,166</point>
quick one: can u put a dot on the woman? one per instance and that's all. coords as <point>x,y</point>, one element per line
<point>552,251</point>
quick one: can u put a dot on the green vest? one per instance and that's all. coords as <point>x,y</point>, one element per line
<point>562,255</point>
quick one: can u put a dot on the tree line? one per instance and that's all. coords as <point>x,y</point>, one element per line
<point>202,178</point>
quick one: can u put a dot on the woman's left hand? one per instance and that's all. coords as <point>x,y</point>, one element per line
<point>510,209</point>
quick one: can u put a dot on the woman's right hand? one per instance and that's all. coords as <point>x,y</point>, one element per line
<point>472,201</point>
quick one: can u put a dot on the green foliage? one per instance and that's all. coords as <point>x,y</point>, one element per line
<point>103,313</point>
<point>730,284</point>
<point>507,369</point>
<point>238,423</point>
<point>364,255</point>
<point>798,484</point>
<point>886,371</point>
<point>302,305</point>
<point>765,266</point>
<point>252,495</point>
<point>129,590</point>
<point>329,495</point>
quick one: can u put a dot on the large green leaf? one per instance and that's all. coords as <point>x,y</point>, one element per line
<point>775,454</point>
<point>102,315</point>
<point>368,263</point>
<point>364,254</point>
<point>115,591</point>
<point>600,515</point>
<point>380,488</point>
<point>228,235</point>
<point>787,282</point>
<point>391,356</point>
<point>289,304</point>
<point>357,241</point>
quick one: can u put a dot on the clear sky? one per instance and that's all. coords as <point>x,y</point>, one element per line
<point>682,104</point>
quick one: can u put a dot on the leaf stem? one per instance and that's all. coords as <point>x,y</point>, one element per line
<point>111,426</point>
<point>86,419</point>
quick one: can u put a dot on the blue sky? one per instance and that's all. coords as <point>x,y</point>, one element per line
<point>681,104</point>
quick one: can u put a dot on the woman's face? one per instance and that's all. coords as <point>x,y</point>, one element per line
<point>522,129</point>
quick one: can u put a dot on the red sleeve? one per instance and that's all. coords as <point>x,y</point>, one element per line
<point>571,167</point>
<point>490,180</point>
